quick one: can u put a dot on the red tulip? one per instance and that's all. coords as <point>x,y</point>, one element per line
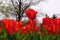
<point>45,26</point>
<point>49,30</point>
<point>10,26</point>
<point>29,28</point>
<point>50,26</point>
<point>54,29</point>
<point>4,22</point>
<point>31,14</point>
<point>37,29</point>
<point>17,27</point>
<point>57,23</point>
<point>0,29</point>
<point>20,24</point>
<point>46,20</point>
<point>23,30</point>
<point>32,22</point>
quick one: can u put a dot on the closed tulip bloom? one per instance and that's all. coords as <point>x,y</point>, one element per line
<point>31,14</point>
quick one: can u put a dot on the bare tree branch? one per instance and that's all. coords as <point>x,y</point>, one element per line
<point>14,6</point>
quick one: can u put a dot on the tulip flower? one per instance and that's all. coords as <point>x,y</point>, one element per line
<point>32,22</point>
<point>57,23</point>
<point>4,22</point>
<point>10,26</point>
<point>23,30</point>
<point>29,28</point>
<point>0,29</point>
<point>31,14</point>
<point>20,24</point>
<point>37,29</point>
<point>46,20</point>
<point>50,26</point>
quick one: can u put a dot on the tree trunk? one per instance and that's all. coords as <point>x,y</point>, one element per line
<point>19,13</point>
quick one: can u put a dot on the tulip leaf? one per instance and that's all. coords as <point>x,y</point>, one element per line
<point>58,37</point>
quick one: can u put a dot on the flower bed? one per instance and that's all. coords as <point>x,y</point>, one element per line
<point>13,30</point>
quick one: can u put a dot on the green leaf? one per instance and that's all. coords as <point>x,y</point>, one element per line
<point>41,37</point>
<point>58,37</point>
<point>52,37</point>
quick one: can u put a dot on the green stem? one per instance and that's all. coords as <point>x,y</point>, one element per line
<point>11,37</point>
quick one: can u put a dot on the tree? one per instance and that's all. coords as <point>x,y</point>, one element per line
<point>17,7</point>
